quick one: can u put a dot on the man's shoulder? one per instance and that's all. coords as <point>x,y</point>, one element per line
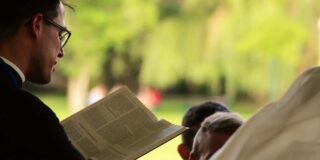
<point>31,129</point>
<point>25,103</point>
<point>19,97</point>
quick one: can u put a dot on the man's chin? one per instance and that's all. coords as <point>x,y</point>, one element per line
<point>40,81</point>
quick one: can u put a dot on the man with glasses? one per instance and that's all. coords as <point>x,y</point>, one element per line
<point>32,37</point>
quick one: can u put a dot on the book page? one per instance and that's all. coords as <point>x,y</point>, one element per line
<point>117,127</point>
<point>141,142</point>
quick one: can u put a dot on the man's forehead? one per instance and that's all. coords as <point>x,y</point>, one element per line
<point>60,16</point>
<point>61,7</point>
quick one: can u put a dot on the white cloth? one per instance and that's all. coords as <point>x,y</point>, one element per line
<point>288,129</point>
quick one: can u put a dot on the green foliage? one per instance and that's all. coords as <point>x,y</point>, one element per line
<point>99,25</point>
<point>269,44</point>
<point>258,47</point>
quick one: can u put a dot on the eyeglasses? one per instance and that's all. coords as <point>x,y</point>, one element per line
<point>64,33</point>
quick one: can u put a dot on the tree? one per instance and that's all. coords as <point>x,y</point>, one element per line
<point>233,46</point>
<point>255,46</point>
<point>96,26</point>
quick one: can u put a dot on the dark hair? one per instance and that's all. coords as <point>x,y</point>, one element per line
<point>15,13</point>
<point>194,116</point>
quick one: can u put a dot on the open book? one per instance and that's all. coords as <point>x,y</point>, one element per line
<point>118,127</point>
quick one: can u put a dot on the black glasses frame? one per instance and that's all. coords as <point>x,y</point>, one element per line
<point>64,32</point>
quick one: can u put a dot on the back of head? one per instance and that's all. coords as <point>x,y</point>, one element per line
<point>15,13</point>
<point>214,132</point>
<point>194,116</point>
<point>221,122</point>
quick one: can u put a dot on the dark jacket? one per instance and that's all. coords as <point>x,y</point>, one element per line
<point>29,130</point>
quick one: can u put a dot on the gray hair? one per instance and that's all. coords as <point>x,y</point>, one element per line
<point>222,122</point>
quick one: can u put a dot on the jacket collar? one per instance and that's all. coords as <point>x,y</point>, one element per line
<point>11,73</point>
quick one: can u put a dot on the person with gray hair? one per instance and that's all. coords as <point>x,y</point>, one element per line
<point>192,119</point>
<point>215,130</point>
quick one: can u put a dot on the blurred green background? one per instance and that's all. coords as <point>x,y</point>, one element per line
<point>244,53</point>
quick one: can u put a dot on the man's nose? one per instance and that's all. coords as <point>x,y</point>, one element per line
<point>61,53</point>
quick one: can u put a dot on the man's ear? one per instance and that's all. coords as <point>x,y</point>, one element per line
<point>183,151</point>
<point>37,22</point>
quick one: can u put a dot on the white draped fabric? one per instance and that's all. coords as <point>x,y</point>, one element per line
<point>288,129</point>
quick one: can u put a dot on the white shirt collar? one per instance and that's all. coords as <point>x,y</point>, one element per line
<point>21,75</point>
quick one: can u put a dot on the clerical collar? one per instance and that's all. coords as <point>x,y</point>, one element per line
<point>21,75</point>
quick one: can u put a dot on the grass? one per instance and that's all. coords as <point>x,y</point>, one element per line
<point>170,109</point>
